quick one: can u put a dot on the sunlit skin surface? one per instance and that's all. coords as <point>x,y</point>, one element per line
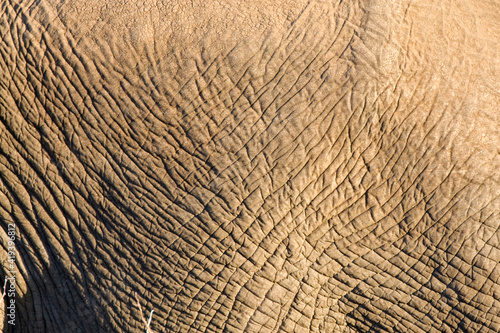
<point>260,166</point>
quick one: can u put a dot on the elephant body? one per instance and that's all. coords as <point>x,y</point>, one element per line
<point>251,166</point>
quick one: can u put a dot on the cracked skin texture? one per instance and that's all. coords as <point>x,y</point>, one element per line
<point>257,166</point>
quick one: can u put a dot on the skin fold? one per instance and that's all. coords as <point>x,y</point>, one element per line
<point>251,166</point>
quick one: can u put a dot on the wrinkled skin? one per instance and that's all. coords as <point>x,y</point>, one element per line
<point>257,166</point>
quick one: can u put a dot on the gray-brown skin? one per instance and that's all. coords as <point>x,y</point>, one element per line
<point>258,166</point>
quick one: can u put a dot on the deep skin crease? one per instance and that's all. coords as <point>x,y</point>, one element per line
<point>260,166</point>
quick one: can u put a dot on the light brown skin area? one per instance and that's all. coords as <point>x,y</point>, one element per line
<point>252,166</point>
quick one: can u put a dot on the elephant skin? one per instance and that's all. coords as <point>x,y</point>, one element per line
<point>256,166</point>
